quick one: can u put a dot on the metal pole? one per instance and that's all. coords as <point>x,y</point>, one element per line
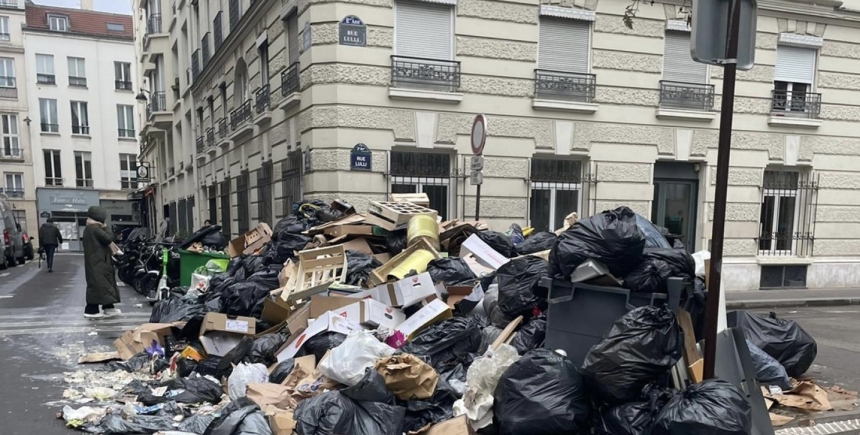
<point>719,227</point>
<point>478,204</point>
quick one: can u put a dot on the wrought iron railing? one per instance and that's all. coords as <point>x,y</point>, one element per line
<point>222,128</point>
<point>50,128</point>
<point>47,79</point>
<point>77,81</point>
<point>691,96</point>
<point>84,182</point>
<point>125,132</point>
<point>195,64</point>
<point>210,136</point>
<point>240,115</point>
<point>159,102</point>
<point>13,192</point>
<point>416,72</point>
<point>53,181</point>
<point>123,85</point>
<point>153,24</point>
<point>788,209</point>
<point>262,98</point>
<point>799,104</point>
<point>199,144</point>
<point>218,33</point>
<point>204,45</point>
<point>290,79</point>
<point>560,85</point>
<point>80,129</point>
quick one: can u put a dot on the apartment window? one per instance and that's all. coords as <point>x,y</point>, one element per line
<point>292,38</point>
<point>48,112</point>
<point>787,211</point>
<point>77,71</point>
<point>423,173</point>
<point>243,201</point>
<point>115,27</point>
<point>226,220</point>
<point>83,169</point>
<point>264,62</point>
<point>80,118</point>
<point>11,148</point>
<point>794,76</point>
<point>45,69</point>
<point>53,168</point>
<point>125,120</point>
<point>14,184</point>
<point>7,72</point>
<point>122,72</point>
<point>423,49</point>
<point>128,171</point>
<point>563,60</point>
<point>4,28</point>
<point>556,191</point>
<point>684,84</point>
<point>59,23</point>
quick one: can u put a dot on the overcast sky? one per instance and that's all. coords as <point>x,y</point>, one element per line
<point>115,6</point>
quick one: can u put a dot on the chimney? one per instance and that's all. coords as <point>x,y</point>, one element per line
<point>87,5</point>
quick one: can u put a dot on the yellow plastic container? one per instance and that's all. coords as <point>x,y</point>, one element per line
<point>417,261</point>
<point>422,226</point>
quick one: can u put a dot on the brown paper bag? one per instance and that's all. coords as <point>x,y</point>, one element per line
<point>281,421</point>
<point>407,377</point>
<point>302,367</point>
<point>313,384</point>
<point>270,394</point>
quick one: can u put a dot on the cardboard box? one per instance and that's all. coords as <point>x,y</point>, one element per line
<point>376,314</point>
<point>485,255</point>
<point>220,333</point>
<point>380,275</point>
<point>407,291</point>
<point>432,313</point>
<point>280,420</point>
<point>329,321</point>
<point>251,241</point>
<point>289,269</point>
<point>318,306</point>
<point>358,244</point>
<point>135,341</point>
<point>455,426</point>
<point>275,309</point>
<point>467,296</point>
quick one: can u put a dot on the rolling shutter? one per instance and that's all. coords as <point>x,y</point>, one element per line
<point>423,30</point>
<point>564,45</point>
<point>794,64</point>
<point>678,64</point>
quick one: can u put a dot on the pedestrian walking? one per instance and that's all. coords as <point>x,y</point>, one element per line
<point>49,239</point>
<point>101,276</point>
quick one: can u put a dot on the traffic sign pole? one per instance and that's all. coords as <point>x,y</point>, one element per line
<point>479,139</point>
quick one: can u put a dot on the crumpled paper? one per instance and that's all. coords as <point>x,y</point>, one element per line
<point>407,377</point>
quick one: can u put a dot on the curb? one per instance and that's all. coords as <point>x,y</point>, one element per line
<point>792,303</point>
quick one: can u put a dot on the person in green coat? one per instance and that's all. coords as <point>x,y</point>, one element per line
<point>101,276</point>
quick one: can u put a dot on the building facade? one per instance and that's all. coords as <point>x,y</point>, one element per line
<point>268,99</point>
<point>16,155</point>
<point>80,83</point>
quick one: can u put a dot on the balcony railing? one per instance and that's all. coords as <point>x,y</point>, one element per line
<point>199,144</point>
<point>159,102</point>
<point>240,115</point>
<point>796,104</point>
<point>124,132</point>
<point>421,73</point>
<point>50,128</point>
<point>123,85</point>
<point>13,192</point>
<point>12,153</point>
<point>5,36</point>
<point>235,14</point>
<point>84,182</point>
<point>195,64</point>
<point>47,79</point>
<point>222,128</point>
<point>690,96</point>
<point>153,24</point>
<point>290,80</point>
<point>262,99</point>
<point>204,45</point>
<point>218,33</point>
<point>52,181</point>
<point>81,129</point>
<point>210,136</point>
<point>559,85</point>
<point>77,81</point>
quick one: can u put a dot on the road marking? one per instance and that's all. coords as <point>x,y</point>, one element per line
<point>4,274</point>
<point>6,297</point>
<point>823,429</point>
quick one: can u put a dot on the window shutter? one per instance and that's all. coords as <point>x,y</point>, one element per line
<point>678,64</point>
<point>794,64</point>
<point>293,38</point>
<point>423,30</point>
<point>564,45</point>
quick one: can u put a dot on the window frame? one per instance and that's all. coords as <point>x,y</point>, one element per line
<point>125,119</point>
<point>58,19</point>
<point>79,78</point>
<point>84,177</point>
<point>17,180</point>
<point>778,195</point>
<point>45,69</point>
<point>420,181</point>
<point>119,27</point>
<point>48,112</point>
<point>6,119</point>
<point>80,110</point>
<point>5,34</point>
<point>122,76</point>
<point>128,176</point>
<point>54,162</point>
<point>554,187</point>
<point>7,66</point>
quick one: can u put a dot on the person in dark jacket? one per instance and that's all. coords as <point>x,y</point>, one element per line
<point>49,239</point>
<point>101,276</point>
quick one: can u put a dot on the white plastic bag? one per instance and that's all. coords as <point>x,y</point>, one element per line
<point>482,378</point>
<point>348,362</point>
<point>699,258</point>
<point>243,375</point>
<point>199,282</point>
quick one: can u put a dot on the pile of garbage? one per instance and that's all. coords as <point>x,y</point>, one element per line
<point>394,321</point>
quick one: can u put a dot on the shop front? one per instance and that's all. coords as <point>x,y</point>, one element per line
<point>68,209</point>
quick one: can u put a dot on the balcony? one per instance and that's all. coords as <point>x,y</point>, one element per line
<point>690,101</point>
<point>53,181</point>
<point>204,45</point>
<point>210,137</point>
<point>123,85</point>
<point>46,79</point>
<point>262,99</point>
<point>222,128</point>
<point>559,90</point>
<point>8,87</point>
<point>153,24</point>
<point>156,110</point>
<point>426,78</point>
<point>78,81</point>
<point>199,144</point>
<point>12,192</point>
<point>239,119</point>
<point>84,182</point>
<point>790,104</point>
<point>218,34</point>
<point>195,64</point>
<point>81,129</point>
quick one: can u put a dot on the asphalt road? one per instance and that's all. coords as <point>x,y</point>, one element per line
<point>43,332</point>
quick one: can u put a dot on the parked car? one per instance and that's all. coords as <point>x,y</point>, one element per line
<point>12,248</point>
<point>29,254</point>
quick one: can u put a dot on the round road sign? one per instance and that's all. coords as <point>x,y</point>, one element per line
<point>479,134</point>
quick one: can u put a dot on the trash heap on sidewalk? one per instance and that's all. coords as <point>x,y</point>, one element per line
<point>393,321</point>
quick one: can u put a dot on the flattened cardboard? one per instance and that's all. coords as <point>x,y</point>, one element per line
<point>251,241</point>
<point>358,244</point>
<point>275,309</point>
<point>135,341</point>
<point>430,314</point>
<point>455,426</point>
<point>220,333</point>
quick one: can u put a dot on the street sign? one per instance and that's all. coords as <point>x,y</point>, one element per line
<point>477,163</point>
<point>143,173</point>
<point>479,134</point>
<point>476,178</point>
<point>352,31</point>
<point>360,158</point>
<point>709,38</point>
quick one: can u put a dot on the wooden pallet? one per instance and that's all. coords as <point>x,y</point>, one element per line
<point>395,215</point>
<point>415,198</point>
<point>318,268</point>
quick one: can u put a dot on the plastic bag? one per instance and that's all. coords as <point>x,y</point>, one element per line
<point>443,343</point>
<point>281,371</point>
<point>115,424</point>
<point>768,371</point>
<point>517,278</point>
<point>611,237</point>
<point>714,407</point>
<point>288,225</point>
<point>348,362</point>
<point>264,349</point>
<point>482,378</point>
<point>174,309</point>
<point>366,409</point>
<point>634,418</point>
<point>653,236</point>
<point>319,344</point>
<point>187,390</point>
<point>241,417</point>
<point>530,336</point>
<point>657,266</point>
<point>243,375</point>
<point>359,265</point>
<point>515,233</point>
<point>438,408</point>
<point>640,347</point>
<point>450,271</point>
<point>284,248</point>
<point>395,242</point>
<point>700,257</point>
<point>327,214</point>
<point>488,337</point>
<point>498,318</point>
<point>491,298</point>
<point>499,242</point>
<point>542,393</point>
<point>538,242</point>
<point>782,339</point>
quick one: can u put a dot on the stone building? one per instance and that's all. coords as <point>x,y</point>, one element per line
<point>258,104</point>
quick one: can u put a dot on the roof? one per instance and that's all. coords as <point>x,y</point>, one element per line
<point>81,22</point>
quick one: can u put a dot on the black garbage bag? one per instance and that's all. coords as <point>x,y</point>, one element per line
<point>649,276</point>
<point>517,278</point>
<point>174,309</point>
<point>233,266</point>
<point>653,236</point>
<point>134,364</point>
<point>196,423</point>
<point>288,225</point>
<point>451,271</point>
<point>186,390</point>
<point>538,242</point>
<point>358,267</point>
<point>185,366</point>
<point>395,242</point>
<point>209,366</point>
<point>542,393</point>
<point>439,407</point>
<point>142,424</point>
<point>634,418</point>
<point>443,344</point>
<point>334,412</point>
<point>327,214</point>
<point>530,336</point>
<point>712,407</point>
<point>488,337</point>
<point>251,265</point>
<point>640,348</point>
<point>499,242</point>
<point>318,345</point>
<point>265,349</point>
<point>285,248</point>
<point>245,298</point>
<point>499,319</point>
<point>235,356</point>
<point>281,371</point>
<point>371,388</point>
<point>782,339</point>
<point>768,371</point>
<point>242,417</point>
<point>611,237</point>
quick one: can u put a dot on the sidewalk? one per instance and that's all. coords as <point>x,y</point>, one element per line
<point>792,298</point>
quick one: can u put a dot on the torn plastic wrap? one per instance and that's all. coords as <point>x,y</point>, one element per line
<point>782,339</point>
<point>482,378</point>
<point>712,407</point>
<point>451,271</point>
<point>517,278</point>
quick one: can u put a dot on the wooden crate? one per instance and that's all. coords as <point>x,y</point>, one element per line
<point>318,268</point>
<point>379,275</point>
<point>395,215</point>
<point>415,198</point>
